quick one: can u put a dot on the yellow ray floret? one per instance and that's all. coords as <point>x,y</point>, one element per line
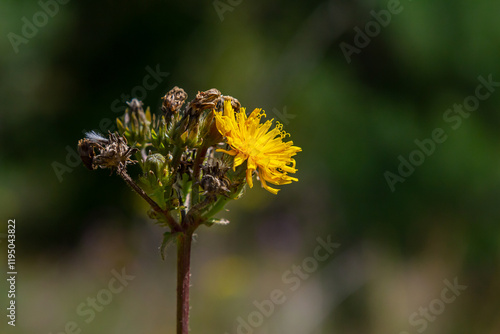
<point>263,149</point>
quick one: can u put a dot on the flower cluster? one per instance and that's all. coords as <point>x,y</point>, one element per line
<point>193,157</point>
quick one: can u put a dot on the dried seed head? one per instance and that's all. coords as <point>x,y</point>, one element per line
<point>173,101</point>
<point>114,153</point>
<point>214,181</point>
<point>86,151</point>
<point>137,115</point>
<point>213,186</point>
<point>215,167</point>
<point>205,100</point>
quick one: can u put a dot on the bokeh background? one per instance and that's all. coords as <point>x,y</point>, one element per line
<point>352,119</point>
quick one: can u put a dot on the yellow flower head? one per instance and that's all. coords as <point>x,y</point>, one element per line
<point>265,151</point>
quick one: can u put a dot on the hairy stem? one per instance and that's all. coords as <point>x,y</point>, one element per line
<point>176,159</point>
<point>183,278</point>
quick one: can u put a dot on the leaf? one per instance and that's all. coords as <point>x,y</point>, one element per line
<point>135,125</point>
<point>168,238</point>
<point>186,185</point>
<point>158,195</point>
<point>184,136</point>
<point>119,123</point>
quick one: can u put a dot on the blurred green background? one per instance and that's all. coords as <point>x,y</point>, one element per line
<point>352,119</point>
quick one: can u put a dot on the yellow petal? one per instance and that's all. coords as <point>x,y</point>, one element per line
<point>249,177</point>
<point>239,159</point>
<point>232,152</point>
<point>265,186</point>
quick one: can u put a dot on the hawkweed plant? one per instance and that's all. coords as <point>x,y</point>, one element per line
<point>193,161</point>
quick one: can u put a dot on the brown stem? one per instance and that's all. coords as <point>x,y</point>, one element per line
<point>183,276</point>
<point>170,220</point>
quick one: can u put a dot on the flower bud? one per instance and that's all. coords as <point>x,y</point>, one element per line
<point>206,100</point>
<point>156,163</point>
<point>208,130</point>
<point>172,102</point>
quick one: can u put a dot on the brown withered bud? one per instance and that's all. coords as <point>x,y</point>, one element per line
<point>173,101</point>
<point>215,167</point>
<point>135,105</point>
<point>214,181</point>
<point>213,186</point>
<point>203,101</point>
<point>86,151</point>
<point>114,153</point>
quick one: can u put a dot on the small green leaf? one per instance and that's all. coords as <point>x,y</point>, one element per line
<point>184,136</point>
<point>168,238</point>
<point>186,185</point>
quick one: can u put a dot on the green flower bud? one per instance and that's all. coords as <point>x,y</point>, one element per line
<point>157,164</point>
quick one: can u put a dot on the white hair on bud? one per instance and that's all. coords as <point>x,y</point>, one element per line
<point>96,137</point>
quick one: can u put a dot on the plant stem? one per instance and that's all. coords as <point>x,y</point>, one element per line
<point>176,158</point>
<point>183,276</point>
<point>170,220</point>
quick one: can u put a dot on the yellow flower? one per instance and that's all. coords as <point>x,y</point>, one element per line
<point>264,151</point>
